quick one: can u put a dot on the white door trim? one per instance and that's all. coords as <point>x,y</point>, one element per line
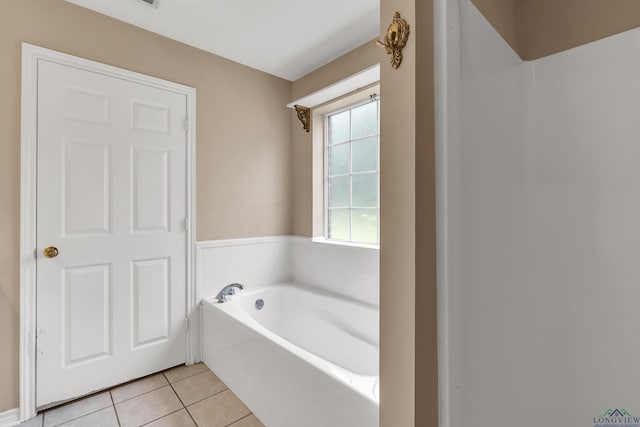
<point>28,178</point>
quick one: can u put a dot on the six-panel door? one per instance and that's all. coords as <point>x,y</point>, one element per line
<point>112,200</point>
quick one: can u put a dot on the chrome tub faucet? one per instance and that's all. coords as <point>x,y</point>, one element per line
<point>228,290</point>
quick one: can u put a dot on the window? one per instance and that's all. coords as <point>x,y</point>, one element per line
<point>352,173</point>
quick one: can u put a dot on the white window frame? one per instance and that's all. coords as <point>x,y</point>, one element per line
<point>366,100</point>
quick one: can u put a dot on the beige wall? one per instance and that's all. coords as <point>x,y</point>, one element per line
<point>504,16</point>
<point>302,200</point>
<point>426,298</point>
<point>397,228</point>
<point>408,329</point>
<point>243,132</point>
<point>537,28</point>
<point>551,26</point>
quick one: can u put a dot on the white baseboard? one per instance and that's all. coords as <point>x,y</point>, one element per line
<point>10,418</point>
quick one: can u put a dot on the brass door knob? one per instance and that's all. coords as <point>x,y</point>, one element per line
<point>51,252</point>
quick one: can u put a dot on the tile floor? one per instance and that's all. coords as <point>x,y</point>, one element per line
<point>184,396</point>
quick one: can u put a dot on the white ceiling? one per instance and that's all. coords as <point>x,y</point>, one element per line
<point>287,38</point>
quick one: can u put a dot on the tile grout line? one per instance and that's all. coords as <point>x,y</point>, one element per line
<point>138,395</point>
<point>226,388</point>
<point>214,394</point>
<point>175,392</point>
<point>180,399</point>
<point>114,408</point>
<point>113,403</point>
<point>151,391</point>
<point>188,376</point>
<point>191,416</point>
<point>166,415</point>
<point>76,418</point>
<point>240,419</point>
<point>74,401</point>
<point>200,400</point>
<point>31,420</point>
<point>128,383</point>
<point>46,411</point>
<point>148,391</point>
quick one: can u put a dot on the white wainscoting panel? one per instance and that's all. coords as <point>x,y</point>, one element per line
<point>252,262</point>
<point>347,270</point>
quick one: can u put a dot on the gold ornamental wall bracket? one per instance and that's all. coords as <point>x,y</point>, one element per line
<point>396,39</point>
<point>304,115</point>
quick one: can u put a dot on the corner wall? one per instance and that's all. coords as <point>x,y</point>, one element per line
<point>408,304</point>
<point>543,236</point>
<point>552,26</point>
<point>243,171</point>
<point>537,28</point>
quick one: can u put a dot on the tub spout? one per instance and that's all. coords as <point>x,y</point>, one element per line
<point>228,290</point>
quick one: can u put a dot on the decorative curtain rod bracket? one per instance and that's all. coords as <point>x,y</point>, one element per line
<point>396,39</point>
<point>304,115</point>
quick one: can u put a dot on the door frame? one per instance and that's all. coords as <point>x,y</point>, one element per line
<point>28,207</point>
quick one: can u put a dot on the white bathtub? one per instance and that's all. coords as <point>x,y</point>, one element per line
<point>307,359</point>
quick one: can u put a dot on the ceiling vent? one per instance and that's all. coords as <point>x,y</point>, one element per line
<point>152,3</point>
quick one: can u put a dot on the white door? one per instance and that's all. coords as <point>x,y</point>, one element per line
<point>112,197</point>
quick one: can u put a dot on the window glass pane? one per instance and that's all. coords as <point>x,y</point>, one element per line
<point>353,141</point>
<point>339,127</point>
<point>364,226</point>
<point>339,159</point>
<point>365,155</point>
<point>339,192</point>
<point>364,120</point>
<point>339,224</point>
<point>365,190</point>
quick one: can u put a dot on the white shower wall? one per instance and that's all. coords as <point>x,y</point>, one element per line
<point>542,181</point>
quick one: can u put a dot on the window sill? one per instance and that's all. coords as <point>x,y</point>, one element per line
<point>339,243</point>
